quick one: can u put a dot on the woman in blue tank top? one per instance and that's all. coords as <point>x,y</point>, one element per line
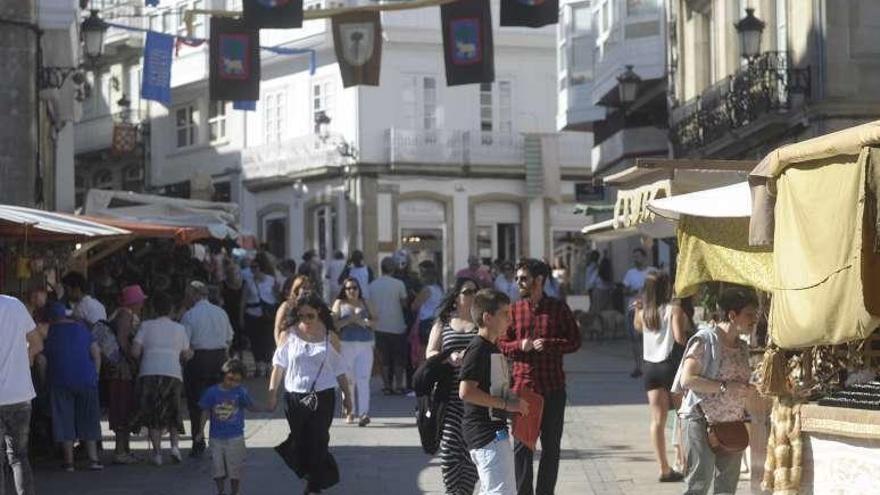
<point>354,319</point>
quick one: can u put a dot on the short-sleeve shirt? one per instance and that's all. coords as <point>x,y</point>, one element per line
<point>302,360</point>
<point>68,352</point>
<point>478,428</point>
<point>227,410</point>
<point>729,406</point>
<point>207,326</point>
<point>634,280</point>
<point>15,370</point>
<point>162,340</point>
<point>89,310</point>
<point>385,295</point>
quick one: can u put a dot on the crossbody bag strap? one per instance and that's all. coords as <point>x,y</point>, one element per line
<point>321,368</point>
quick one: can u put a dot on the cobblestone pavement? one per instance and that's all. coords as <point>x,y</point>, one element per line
<point>605,449</point>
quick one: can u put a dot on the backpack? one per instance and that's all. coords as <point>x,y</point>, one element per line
<point>105,336</point>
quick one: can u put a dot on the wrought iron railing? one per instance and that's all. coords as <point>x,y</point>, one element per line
<point>767,84</point>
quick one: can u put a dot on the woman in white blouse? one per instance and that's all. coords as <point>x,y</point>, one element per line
<point>311,367</point>
<point>260,297</point>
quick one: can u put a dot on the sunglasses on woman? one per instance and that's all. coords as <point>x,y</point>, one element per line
<point>308,317</point>
<point>468,292</point>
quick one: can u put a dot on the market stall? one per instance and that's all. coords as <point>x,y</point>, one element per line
<point>813,232</point>
<point>37,246</point>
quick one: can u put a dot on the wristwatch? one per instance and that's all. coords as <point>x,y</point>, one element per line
<point>723,387</point>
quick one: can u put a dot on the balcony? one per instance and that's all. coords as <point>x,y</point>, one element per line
<point>291,157</point>
<point>129,13</point>
<point>96,133</point>
<point>767,86</point>
<point>474,149</point>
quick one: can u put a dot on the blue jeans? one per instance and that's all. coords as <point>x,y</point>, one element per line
<point>15,422</point>
<point>495,466</point>
<point>705,469</point>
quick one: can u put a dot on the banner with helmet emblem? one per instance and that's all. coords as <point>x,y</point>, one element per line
<point>357,37</point>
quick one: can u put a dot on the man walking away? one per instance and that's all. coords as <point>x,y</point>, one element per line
<point>388,296</point>
<point>541,332</point>
<point>210,334</point>
<point>19,343</point>
<point>633,283</point>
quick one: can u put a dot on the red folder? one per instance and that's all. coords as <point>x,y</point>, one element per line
<point>526,429</point>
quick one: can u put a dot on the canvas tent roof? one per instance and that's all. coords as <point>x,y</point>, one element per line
<point>42,226</point>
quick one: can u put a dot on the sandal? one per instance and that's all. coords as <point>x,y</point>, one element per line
<point>671,476</point>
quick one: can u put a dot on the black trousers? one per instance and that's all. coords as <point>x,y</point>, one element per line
<point>393,351</point>
<point>200,373</point>
<point>552,422</point>
<point>260,331</point>
<point>311,431</point>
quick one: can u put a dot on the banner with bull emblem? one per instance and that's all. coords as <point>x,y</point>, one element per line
<point>235,61</point>
<point>467,42</point>
<point>357,37</point>
<point>273,14</point>
<point>529,13</point>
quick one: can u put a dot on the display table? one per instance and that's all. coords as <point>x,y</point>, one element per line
<point>841,448</point>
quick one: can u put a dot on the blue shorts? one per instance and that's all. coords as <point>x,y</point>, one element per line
<point>75,414</point>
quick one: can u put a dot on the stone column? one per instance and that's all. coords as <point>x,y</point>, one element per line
<point>18,47</point>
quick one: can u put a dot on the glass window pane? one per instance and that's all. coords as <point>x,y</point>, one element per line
<point>581,19</point>
<point>181,138</point>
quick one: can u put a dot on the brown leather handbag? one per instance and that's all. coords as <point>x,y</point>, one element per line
<point>728,438</point>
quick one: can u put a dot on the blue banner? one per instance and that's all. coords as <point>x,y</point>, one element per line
<point>156,83</point>
<point>248,106</point>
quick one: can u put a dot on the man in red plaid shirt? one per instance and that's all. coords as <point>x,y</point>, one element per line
<point>542,330</point>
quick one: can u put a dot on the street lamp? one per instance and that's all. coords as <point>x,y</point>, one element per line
<point>92,31</point>
<point>125,105</point>
<point>749,29</point>
<point>628,86</point>
<point>322,124</point>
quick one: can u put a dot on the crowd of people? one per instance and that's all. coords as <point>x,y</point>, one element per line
<point>311,329</point>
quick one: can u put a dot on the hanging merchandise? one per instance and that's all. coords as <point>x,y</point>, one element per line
<point>246,105</point>
<point>467,42</point>
<point>235,61</point>
<point>156,83</point>
<point>529,13</point>
<point>357,37</point>
<point>273,13</point>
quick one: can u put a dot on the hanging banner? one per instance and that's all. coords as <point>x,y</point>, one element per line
<point>467,42</point>
<point>529,13</point>
<point>247,106</point>
<point>156,79</point>
<point>235,61</point>
<point>273,13</point>
<point>124,138</point>
<point>357,37</point>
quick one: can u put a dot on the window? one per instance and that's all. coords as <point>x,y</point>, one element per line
<point>495,110</point>
<point>326,241</point>
<point>275,234</point>
<point>641,7</point>
<point>166,22</point>
<point>429,98</point>
<point>222,192</point>
<point>217,121</point>
<point>181,19</point>
<point>187,118</point>
<point>606,16</point>
<point>274,116</point>
<point>198,19</point>
<point>322,99</point>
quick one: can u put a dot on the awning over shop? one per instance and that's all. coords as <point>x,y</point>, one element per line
<point>605,232</point>
<point>181,235</point>
<point>43,226</point>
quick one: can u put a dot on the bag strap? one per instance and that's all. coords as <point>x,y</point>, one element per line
<point>321,368</point>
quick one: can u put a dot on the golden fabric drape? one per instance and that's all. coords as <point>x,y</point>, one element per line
<point>712,249</point>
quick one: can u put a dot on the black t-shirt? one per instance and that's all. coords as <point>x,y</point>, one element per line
<point>478,428</point>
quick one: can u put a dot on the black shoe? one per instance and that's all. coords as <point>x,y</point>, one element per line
<point>671,476</point>
<point>198,449</point>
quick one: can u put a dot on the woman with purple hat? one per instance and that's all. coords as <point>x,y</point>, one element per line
<point>120,373</point>
<point>74,360</point>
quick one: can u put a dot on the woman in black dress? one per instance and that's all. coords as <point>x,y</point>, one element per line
<point>453,330</point>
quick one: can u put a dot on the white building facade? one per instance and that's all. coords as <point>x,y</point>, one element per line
<point>412,163</point>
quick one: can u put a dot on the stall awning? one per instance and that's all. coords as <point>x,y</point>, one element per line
<point>734,201</point>
<point>605,232</point>
<point>42,226</point>
<point>181,235</point>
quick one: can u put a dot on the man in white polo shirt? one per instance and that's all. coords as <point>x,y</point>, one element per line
<point>19,343</point>
<point>85,307</point>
